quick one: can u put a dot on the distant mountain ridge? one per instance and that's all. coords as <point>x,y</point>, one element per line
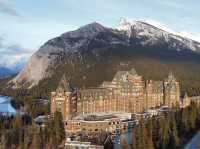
<point>78,53</point>
<point>4,71</point>
<point>11,69</point>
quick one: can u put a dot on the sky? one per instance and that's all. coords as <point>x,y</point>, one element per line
<point>27,24</point>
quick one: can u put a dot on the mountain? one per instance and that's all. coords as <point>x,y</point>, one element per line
<point>93,53</point>
<point>4,71</point>
<point>146,34</point>
<point>8,69</point>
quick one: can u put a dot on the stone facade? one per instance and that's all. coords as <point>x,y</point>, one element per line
<point>154,94</point>
<point>64,100</point>
<point>186,101</point>
<point>171,91</point>
<point>127,92</point>
<point>92,126</point>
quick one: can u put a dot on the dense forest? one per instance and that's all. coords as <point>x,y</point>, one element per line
<point>170,130</point>
<point>21,132</point>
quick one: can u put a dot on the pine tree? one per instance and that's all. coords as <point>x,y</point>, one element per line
<point>149,128</point>
<point>174,141</point>
<point>184,121</point>
<point>56,129</point>
<point>16,133</point>
<point>124,144</point>
<point>150,143</point>
<point>134,139</point>
<point>36,142</point>
<point>163,132</point>
<point>142,135</point>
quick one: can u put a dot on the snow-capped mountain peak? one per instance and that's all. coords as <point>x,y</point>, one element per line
<point>125,24</point>
<point>149,32</point>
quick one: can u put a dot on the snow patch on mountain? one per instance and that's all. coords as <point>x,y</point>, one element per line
<point>159,25</point>
<point>125,24</point>
<point>192,36</point>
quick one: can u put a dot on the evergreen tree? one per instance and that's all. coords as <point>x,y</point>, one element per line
<point>184,121</point>
<point>150,143</point>
<point>163,132</point>
<point>36,142</point>
<point>134,139</point>
<point>16,131</point>
<point>124,144</point>
<point>174,141</point>
<point>56,129</point>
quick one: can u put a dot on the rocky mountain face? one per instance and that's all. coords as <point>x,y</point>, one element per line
<point>148,35</point>
<point>97,50</point>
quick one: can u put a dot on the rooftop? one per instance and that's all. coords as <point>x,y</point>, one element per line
<point>99,116</point>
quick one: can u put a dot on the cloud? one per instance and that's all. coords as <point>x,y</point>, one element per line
<point>7,8</point>
<point>1,42</point>
<point>12,48</point>
<point>21,40</point>
<point>12,53</point>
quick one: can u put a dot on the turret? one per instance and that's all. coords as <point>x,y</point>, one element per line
<point>171,91</point>
<point>64,99</point>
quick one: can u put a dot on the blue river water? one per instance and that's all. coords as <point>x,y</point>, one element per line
<point>194,142</point>
<point>5,106</point>
<point>126,136</point>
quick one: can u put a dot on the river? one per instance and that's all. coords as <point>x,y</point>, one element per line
<point>126,136</point>
<point>5,106</point>
<point>194,142</point>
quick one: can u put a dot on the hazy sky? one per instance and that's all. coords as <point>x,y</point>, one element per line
<point>27,24</point>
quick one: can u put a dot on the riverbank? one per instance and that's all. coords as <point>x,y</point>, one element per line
<point>5,106</point>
